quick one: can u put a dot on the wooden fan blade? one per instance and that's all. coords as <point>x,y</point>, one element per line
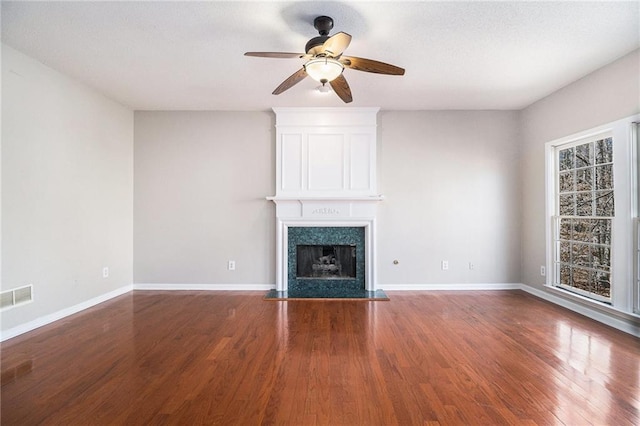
<point>294,79</point>
<point>275,54</point>
<point>369,65</point>
<point>336,44</point>
<point>341,87</point>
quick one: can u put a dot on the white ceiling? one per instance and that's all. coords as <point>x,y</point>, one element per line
<point>186,55</point>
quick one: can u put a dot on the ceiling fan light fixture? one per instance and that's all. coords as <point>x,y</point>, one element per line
<point>323,70</point>
<point>327,62</point>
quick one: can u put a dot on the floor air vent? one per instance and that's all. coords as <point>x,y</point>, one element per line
<point>16,296</point>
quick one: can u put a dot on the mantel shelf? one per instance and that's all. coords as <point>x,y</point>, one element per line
<point>275,198</point>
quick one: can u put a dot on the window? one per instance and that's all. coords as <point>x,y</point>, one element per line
<point>592,205</point>
<point>585,206</point>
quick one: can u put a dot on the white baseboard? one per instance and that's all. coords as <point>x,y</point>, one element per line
<point>461,286</point>
<point>606,315</point>
<point>213,287</point>
<point>619,320</point>
<point>48,319</point>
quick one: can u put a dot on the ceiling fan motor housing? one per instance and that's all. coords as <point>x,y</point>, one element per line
<point>323,24</point>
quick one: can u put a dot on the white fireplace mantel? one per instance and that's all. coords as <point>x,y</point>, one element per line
<point>325,176</point>
<point>332,212</point>
<point>323,208</point>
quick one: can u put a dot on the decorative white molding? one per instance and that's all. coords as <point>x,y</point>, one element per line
<point>324,152</point>
<point>208,287</point>
<point>323,198</point>
<point>48,319</point>
<point>326,117</point>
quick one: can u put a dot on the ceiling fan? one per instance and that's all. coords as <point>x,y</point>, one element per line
<point>325,61</point>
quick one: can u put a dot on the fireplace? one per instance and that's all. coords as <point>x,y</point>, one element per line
<point>337,239</point>
<point>326,199</point>
<point>326,257</point>
<point>326,262</point>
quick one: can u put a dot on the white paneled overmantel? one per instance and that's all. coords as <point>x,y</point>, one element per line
<point>325,152</point>
<point>325,176</point>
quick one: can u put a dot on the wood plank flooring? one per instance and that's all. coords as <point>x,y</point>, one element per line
<point>230,358</point>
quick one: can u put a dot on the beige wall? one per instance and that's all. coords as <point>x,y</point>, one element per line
<point>451,186</point>
<point>201,179</point>
<point>450,180</point>
<point>609,94</point>
<point>67,189</point>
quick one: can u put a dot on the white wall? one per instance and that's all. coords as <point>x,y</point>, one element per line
<point>201,179</point>
<point>451,186</point>
<point>607,95</point>
<point>67,190</point>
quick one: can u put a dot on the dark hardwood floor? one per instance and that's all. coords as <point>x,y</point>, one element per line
<point>449,358</point>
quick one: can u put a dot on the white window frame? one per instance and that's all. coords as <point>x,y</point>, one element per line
<point>635,202</point>
<point>636,298</point>
<point>625,244</point>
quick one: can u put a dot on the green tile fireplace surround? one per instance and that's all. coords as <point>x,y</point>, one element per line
<point>325,236</point>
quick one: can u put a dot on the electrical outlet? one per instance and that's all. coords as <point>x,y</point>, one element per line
<point>231,265</point>
<point>543,271</point>
<point>105,272</point>
<point>445,265</point>
<point>471,266</point>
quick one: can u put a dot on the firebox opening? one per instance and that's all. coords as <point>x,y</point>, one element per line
<point>332,262</point>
